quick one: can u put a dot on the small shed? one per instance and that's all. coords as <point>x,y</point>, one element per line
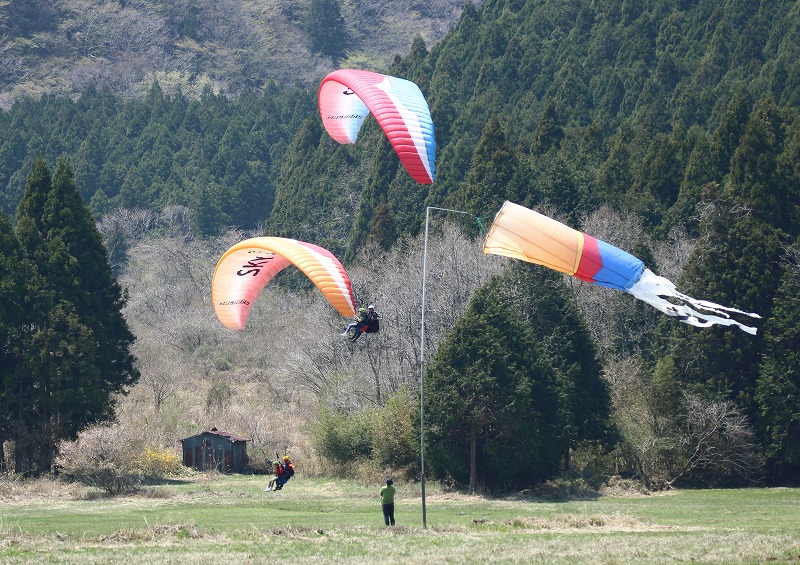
<point>214,449</point>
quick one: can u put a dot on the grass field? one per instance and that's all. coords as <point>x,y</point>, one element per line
<point>229,519</point>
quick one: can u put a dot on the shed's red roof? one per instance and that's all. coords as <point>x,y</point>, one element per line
<point>216,432</point>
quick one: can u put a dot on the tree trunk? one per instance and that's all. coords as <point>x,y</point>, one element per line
<point>473,463</point>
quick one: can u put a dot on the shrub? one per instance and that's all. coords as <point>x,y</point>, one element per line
<point>342,438</point>
<point>108,458</point>
<point>100,457</point>
<point>219,394</point>
<point>157,463</point>
<point>395,436</point>
<point>259,460</point>
<point>372,443</point>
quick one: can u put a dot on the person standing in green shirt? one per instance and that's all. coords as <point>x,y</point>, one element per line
<point>387,502</point>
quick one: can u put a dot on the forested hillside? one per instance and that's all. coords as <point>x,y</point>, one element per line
<point>579,104</point>
<point>231,46</point>
<point>219,157</point>
<point>668,128</point>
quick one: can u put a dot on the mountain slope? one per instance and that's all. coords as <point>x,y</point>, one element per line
<point>64,46</point>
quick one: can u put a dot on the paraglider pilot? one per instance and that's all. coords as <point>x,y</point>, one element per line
<point>369,324</point>
<point>361,317</point>
<point>287,472</point>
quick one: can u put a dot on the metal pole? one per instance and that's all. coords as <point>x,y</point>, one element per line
<point>422,361</point>
<point>422,373</point>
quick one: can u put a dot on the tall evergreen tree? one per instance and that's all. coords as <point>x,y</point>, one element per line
<point>736,263</point>
<point>307,198</point>
<point>763,169</point>
<point>549,132</point>
<point>36,190</point>
<point>12,323</point>
<point>699,171</point>
<point>206,200</point>
<point>542,299</point>
<point>614,176</point>
<point>726,137</point>
<point>493,405</point>
<point>382,175</point>
<point>80,356</point>
<point>383,231</point>
<point>656,183</point>
<point>778,388</point>
<point>98,299</point>
<point>489,180</point>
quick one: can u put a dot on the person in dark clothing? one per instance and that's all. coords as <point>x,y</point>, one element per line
<point>369,324</point>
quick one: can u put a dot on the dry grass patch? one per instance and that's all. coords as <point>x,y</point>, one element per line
<point>620,487</point>
<point>15,489</point>
<point>155,533</point>
<point>565,522</point>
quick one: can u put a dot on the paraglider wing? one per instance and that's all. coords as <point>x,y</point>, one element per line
<point>346,98</point>
<point>524,234</point>
<point>244,270</point>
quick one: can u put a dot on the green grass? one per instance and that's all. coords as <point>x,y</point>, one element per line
<point>222,519</point>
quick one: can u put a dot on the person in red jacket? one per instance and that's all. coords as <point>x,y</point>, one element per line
<point>287,472</point>
<point>278,470</point>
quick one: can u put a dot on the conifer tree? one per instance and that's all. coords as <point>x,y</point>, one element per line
<point>12,323</point>
<point>540,296</point>
<point>758,174</point>
<point>292,193</point>
<point>699,171</point>
<point>36,190</point>
<point>325,28</point>
<point>12,155</point>
<point>80,352</point>
<point>778,388</point>
<point>726,136</point>
<point>494,408</point>
<point>383,231</point>
<point>614,176</point>
<point>736,263</point>
<point>385,167</point>
<point>549,132</point>
<point>306,196</point>
<point>489,180</point>
<point>655,185</point>
<point>207,203</point>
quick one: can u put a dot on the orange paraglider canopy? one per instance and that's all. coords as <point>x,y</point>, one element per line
<point>245,269</point>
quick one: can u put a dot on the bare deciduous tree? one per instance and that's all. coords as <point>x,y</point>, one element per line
<point>310,355</point>
<point>161,371</point>
<point>706,440</point>
<point>641,444</point>
<point>612,316</point>
<point>719,443</point>
<point>134,222</point>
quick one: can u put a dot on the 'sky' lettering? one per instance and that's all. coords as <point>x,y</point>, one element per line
<point>254,266</point>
